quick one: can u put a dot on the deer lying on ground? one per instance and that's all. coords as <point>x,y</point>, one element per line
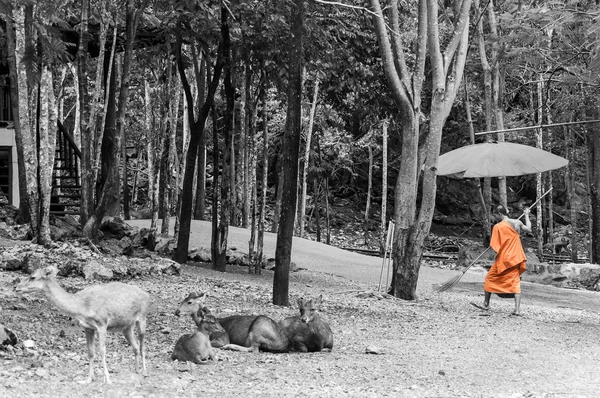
<point>306,332</point>
<point>113,307</point>
<point>196,347</point>
<point>193,305</point>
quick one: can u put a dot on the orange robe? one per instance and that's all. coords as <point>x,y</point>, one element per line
<point>505,274</point>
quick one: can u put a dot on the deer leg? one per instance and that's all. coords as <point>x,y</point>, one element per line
<point>141,329</point>
<point>90,339</point>
<point>102,345</point>
<point>130,337</point>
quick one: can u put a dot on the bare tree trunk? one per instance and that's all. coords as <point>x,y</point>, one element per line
<point>24,210</point>
<point>307,147</point>
<point>27,117</point>
<point>200,207</point>
<point>538,177</point>
<point>196,132</point>
<point>219,247</point>
<point>485,214</point>
<point>289,152</point>
<point>369,189</point>
<point>497,94</point>
<point>46,153</point>
<point>384,183</point>
<point>570,182</point>
<point>265,173</point>
<point>153,147</point>
<point>487,85</point>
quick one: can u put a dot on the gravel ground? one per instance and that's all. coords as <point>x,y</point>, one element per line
<point>437,346</point>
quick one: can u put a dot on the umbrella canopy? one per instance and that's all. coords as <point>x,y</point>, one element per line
<point>497,159</point>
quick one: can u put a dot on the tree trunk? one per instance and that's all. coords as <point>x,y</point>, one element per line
<point>196,132</point>
<point>27,118</point>
<point>24,215</point>
<point>446,72</point>
<point>219,251</point>
<point>384,184</point>
<point>369,189</point>
<point>201,73</point>
<point>109,201</point>
<point>538,177</point>
<point>570,182</point>
<point>307,147</point>
<point>265,172</point>
<point>47,141</point>
<point>87,180</point>
<point>289,156</point>
<point>485,214</point>
<point>497,94</point>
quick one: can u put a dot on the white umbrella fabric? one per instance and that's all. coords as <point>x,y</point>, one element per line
<point>497,159</point>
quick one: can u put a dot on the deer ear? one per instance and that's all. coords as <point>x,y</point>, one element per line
<point>300,302</point>
<point>318,300</point>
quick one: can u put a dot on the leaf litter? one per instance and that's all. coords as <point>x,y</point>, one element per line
<point>435,346</point>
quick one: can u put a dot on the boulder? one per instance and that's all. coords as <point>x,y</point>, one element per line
<point>34,261</point>
<point>10,262</point>
<point>200,254</point>
<point>7,337</point>
<point>93,270</point>
<point>115,227</point>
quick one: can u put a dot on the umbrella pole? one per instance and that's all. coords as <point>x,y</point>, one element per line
<point>449,284</point>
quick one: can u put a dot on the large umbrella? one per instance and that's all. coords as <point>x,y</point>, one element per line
<point>497,159</point>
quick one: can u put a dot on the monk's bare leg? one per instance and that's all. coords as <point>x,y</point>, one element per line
<point>517,304</point>
<point>486,299</point>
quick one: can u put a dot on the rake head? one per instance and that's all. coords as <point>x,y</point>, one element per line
<point>449,284</point>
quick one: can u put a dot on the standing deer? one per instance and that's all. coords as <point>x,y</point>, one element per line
<point>113,307</point>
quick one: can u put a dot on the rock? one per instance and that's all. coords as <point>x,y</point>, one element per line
<point>93,270</point>
<point>162,245</point>
<point>374,350</point>
<point>115,227</point>
<point>29,344</point>
<point>201,254</point>
<point>140,214</point>
<point>10,262</point>
<point>7,337</point>
<point>166,266</point>
<point>34,261</point>
<point>58,234</point>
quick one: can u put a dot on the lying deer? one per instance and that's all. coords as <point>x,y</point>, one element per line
<point>196,347</point>
<point>113,307</point>
<point>307,332</point>
<point>193,305</point>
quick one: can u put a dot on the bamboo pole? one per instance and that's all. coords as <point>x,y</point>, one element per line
<point>537,127</point>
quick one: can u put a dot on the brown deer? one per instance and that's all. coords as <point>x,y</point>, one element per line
<point>193,305</point>
<point>306,332</point>
<point>196,347</point>
<point>113,307</point>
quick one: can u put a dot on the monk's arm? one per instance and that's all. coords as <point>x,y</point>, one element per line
<point>527,226</point>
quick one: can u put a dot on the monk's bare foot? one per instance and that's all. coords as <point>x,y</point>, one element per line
<point>480,306</point>
<point>515,313</point>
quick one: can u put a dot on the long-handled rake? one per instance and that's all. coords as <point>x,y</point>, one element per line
<point>450,283</point>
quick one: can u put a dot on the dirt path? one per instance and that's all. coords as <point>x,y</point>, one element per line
<point>368,269</point>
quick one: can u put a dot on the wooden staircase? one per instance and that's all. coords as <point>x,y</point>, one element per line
<point>66,181</point>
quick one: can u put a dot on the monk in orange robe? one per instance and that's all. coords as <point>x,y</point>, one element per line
<point>504,278</point>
